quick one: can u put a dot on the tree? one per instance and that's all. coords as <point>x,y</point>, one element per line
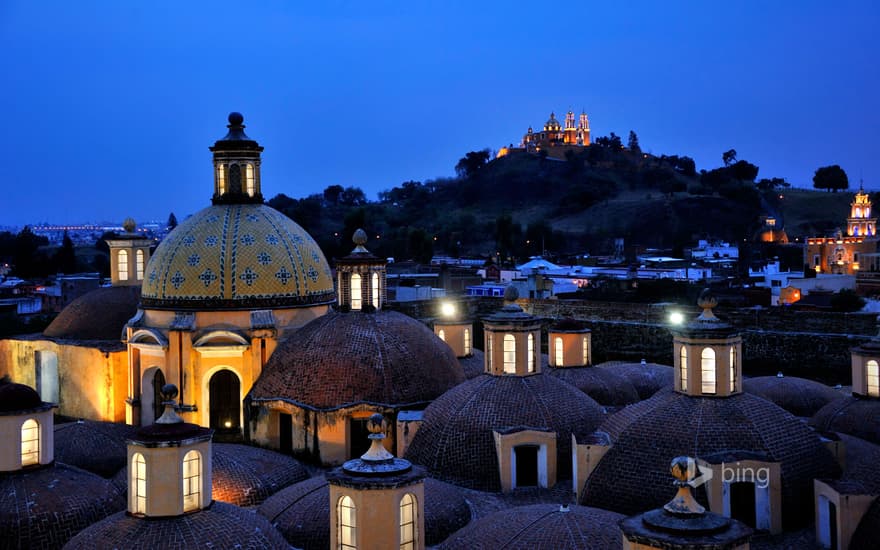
<point>352,196</point>
<point>332,193</point>
<point>743,170</point>
<point>633,143</point>
<point>27,264</point>
<point>832,178</point>
<point>729,157</point>
<point>172,221</point>
<point>65,258</point>
<point>472,163</point>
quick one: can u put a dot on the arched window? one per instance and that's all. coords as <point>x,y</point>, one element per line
<point>375,290</point>
<point>30,442</point>
<point>683,367</point>
<point>558,356</point>
<point>221,179</point>
<point>732,368</point>
<point>139,265</point>
<point>441,334</point>
<point>346,524</point>
<point>530,349</point>
<point>872,373</point>
<point>586,345</point>
<point>408,526</point>
<point>467,341</point>
<point>122,265</point>
<point>488,352</point>
<point>707,368</point>
<point>509,364</point>
<point>250,185</point>
<point>192,480</point>
<point>139,483</point>
<point>356,300</point>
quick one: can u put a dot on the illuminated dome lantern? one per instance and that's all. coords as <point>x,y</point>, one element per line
<point>219,292</point>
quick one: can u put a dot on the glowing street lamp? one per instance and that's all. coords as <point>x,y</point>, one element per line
<point>676,318</point>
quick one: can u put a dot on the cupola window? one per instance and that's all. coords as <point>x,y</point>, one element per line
<point>509,354</point>
<point>122,265</point>
<point>467,341</point>
<point>30,442</point>
<point>558,359</point>
<point>192,480</point>
<point>250,183</point>
<point>732,369</point>
<point>139,483</point>
<point>489,352</point>
<point>139,265</point>
<point>872,373</point>
<point>221,179</point>
<point>356,300</point>
<point>375,279</point>
<point>530,350</point>
<point>408,526</point>
<point>683,367</point>
<point>346,528</point>
<point>585,342</point>
<point>441,334</point>
<point>708,370</point>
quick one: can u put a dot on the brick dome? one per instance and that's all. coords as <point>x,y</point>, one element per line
<point>219,526</point>
<point>867,534</point>
<point>799,396</point>
<point>455,441</point>
<point>647,378</point>
<point>302,512</point>
<point>858,416</point>
<point>18,397</point>
<point>633,476</point>
<point>473,365</point>
<point>246,476</point>
<point>605,386</point>
<point>98,447</point>
<point>541,526</point>
<point>340,359</point>
<point>45,507</point>
<point>97,315</point>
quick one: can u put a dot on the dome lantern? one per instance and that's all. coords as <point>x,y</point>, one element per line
<point>361,277</point>
<point>236,166</point>
<point>26,424</point>
<point>512,339</point>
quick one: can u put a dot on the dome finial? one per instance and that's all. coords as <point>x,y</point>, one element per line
<point>684,469</point>
<point>128,225</point>
<point>359,238</point>
<point>170,416</point>
<point>236,119</point>
<point>707,301</point>
<point>511,294</point>
<point>377,452</point>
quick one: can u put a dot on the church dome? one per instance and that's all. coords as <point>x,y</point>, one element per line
<point>97,447</point>
<point>646,378</point>
<point>237,256</point>
<point>858,416</point>
<point>541,526</point>
<point>455,441</point>
<point>97,315</point>
<point>341,359</point>
<point>246,476</point>
<point>605,386</point>
<point>799,396</point>
<point>633,477</point>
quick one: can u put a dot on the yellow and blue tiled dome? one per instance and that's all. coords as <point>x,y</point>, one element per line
<point>239,256</point>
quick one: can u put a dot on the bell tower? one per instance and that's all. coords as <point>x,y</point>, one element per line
<point>860,223</point>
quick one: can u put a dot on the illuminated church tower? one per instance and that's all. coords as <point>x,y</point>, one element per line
<point>860,223</point>
<point>570,134</point>
<point>583,130</point>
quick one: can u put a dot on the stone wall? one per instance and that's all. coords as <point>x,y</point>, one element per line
<point>798,343</point>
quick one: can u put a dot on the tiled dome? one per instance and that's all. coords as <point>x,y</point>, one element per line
<point>246,476</point>
<point>97,315</point>
<point>473,365</point>
<point>302,512</point>
<point>341,359</point>
<point>237,256</point>
<point>455,441</point>
<point>45,507</point>
<point>851,415</point>
<point>541,527</point>
<point>633,475</point>
<point>219,526</point>
<point>799,396</point>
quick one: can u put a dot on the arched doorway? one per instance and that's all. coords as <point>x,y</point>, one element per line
<point>151,395</point>
<point>224,401</point>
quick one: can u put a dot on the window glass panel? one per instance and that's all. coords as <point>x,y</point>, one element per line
<point>356,300</point>
<point>192,480</point>
<point>249,179</point>
<point>489,350</point>
<point>586,345</point>
<point>408,522</point>
<point>530,350</point>
<point>139,265</point>
<point>467,341</point>
<point>346,533</point>
<point>732,368</point>
<point>872,370</point>
<point>558,356</point>
<point>375,290</point>
<point>708,370</point>
<point>683,367</point>
<point>122,265</point>
<point>139,481</point>
<point>221,179</point>
<point>30,442</point>
<point>509,364</point>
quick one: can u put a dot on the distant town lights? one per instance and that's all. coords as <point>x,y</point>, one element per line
<point>676,318</point>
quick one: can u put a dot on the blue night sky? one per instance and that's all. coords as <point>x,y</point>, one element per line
<point>111,105</point>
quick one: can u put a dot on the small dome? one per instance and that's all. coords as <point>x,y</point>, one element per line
<point>799,396</point>
<point>867,534</point>
<point>18,397</point>
<point>474,365</point>
<point>604,385</point>
<point>455,441</point>
<point>97,315</point>
<point>237,256</point>
<point>219,526</point>
<point>97,447</point>
<point>246,476</point>
<point>646,378</point>
<point>341,359</point>
<point>302,512</point>
<point>681,425</point>
<point>541,526</point>
<point>45,507</point>
<point>851,415</point>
